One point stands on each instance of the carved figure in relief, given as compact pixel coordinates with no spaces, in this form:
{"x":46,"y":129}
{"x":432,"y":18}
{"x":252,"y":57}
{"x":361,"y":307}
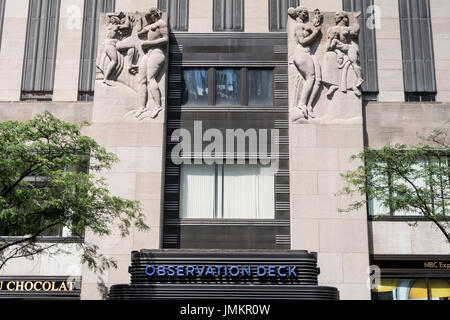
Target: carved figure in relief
{"x":136,"y":42}
{"x":306,"y":34}
{"x":118,"y":40}
{"x":342,"y":55}
{"x":152,"y":62}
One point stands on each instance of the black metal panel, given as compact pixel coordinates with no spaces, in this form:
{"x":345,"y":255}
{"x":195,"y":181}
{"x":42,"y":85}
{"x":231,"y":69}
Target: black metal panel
{"x":2,"y":15}
{"x":221,"y":286}
{"x":417,"y":46}
{"x":278,"y":14}
{"x":228,"y":15}
{"x":178,"y":11}
{"x":91,"y":16}
{"x":40,"y":47}
{"x":367,"y":42}
{"x":239,"y":50}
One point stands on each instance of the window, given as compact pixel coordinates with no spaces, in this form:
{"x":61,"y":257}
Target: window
{"x":40,"y":49}
{"x":178,"y":11}
{"x":417,"y":47}
{"x":227,"y":192}
{"x":45,"y":217}
{"x":228,"y":87}
{"x":367,"y":44}
{"x":92,"y":10}
{"x":228,"y":82}
{"x":412,"y":289}
{"x":419,"y":97}
{"x":377,"y":209}
{"x":260,"y":87}
{"x":228,"y":15}
{"x":278,"y":13}
{"x":196,"y":87}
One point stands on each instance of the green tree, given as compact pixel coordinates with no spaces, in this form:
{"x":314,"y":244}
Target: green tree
{"x":50,"y":178}
{"x":412,"y":180}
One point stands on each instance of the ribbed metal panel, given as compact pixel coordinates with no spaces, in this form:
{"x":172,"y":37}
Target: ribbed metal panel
{"x":278,"y":14}
{"x":178,"y":11}
{"x":417,"y":46}
{"x":228,"y":15}
{"x":40,"y":46}
{"x":303,"y":287}
{"x":221,"y":292}
{"x":2,"y":15}
{"x":367,"y":43}
{"x":92,"y":10}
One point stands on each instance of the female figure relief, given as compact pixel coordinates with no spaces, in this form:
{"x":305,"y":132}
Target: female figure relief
{"x":343,"y":54}
{"x":306,"y":34}
{"x":157,"y":34}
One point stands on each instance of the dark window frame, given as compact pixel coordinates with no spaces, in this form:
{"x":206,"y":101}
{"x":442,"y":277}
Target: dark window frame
{"x":244,"y":86}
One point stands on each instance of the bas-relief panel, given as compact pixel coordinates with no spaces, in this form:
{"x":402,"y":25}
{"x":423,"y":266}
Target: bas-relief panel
{"x":131,"y":66}
{"x":325,"y":74}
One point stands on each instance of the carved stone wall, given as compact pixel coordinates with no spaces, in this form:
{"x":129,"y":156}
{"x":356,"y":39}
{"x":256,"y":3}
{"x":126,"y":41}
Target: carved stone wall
{"x":129,"y":117}
{"x":325,"y":130}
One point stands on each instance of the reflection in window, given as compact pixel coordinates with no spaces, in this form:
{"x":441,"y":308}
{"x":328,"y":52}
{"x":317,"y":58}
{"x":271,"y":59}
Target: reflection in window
{"x":412,"y":289}
{"x":195,"y":87}
{"x":260,"y":87}
{"x":228,"y":87}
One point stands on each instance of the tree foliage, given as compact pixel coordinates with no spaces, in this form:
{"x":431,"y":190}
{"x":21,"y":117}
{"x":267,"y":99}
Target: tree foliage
{"x":406,"y":180}
{"x":50,"y":178}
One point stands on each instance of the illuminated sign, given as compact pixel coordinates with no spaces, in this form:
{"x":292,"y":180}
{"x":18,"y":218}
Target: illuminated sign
{"x":213,"y":271}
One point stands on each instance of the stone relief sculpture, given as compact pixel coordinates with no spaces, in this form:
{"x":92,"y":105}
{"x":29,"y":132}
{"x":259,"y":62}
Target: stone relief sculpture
{"x":341,"y":56}
{"x":306,"y":34}
{"x":331,"y":63}
{"x":136,"y":43}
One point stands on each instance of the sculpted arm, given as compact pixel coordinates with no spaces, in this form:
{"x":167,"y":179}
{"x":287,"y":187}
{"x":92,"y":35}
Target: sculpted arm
{"x":309,"y":40}
{"x":354,"y":30}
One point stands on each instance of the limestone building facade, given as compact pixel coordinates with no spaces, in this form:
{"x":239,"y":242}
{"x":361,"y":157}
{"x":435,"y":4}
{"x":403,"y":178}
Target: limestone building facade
{"x":235,"y":64}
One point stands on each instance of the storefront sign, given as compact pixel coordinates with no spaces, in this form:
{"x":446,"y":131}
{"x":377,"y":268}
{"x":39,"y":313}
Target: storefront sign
{"x":37,"y":286}
{"x":241,"y":271}
{"x":437,"y":265}
{"x":40,"y":286}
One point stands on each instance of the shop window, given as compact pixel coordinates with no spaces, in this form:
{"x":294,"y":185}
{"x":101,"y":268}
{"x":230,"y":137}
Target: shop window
{"x":228,"y":87}
{"x":412,"y":289}
{"x":195,"y":87}
{"x":227,"y":192}
{"x":260,"y":87}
